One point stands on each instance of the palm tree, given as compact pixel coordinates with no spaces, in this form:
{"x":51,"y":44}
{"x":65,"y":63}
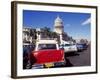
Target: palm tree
{"x":54,"y":35}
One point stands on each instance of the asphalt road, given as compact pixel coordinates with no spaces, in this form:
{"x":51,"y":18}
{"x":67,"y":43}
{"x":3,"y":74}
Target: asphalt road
{"x":82,"y":58}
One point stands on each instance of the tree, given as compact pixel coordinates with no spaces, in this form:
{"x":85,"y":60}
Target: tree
{"x":45,"y":32}
{"x":83,"y":41}
{"x":55,"y":35}
{"x":33,"y":33}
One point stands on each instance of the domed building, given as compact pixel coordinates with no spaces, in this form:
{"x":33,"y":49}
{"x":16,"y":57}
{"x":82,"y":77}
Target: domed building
{"x":58,"y":25}
{"x":59,"y":29}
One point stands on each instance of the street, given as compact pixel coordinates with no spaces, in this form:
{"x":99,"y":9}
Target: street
{"x":82,"y":58}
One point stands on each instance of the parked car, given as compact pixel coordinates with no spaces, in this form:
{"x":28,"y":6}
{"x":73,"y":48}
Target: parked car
{"x":81,"y":46}
{"x":46,"y":51}
{"x":69,"y":47}
{"x":27,"y":49}
{"x":85,"y":46}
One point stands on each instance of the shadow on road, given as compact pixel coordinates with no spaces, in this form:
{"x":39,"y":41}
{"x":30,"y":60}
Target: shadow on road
{"x":71,"y":54}
{"x":68,"y":63}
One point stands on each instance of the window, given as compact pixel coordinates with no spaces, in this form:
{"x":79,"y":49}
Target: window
{"x":46,"y":46}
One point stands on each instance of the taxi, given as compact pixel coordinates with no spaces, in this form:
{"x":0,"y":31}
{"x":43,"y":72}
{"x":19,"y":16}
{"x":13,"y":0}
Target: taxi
{"x":47,"y":52}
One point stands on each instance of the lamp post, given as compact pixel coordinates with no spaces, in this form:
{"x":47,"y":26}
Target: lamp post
{"x":38,"y":33}
{"x":61,"y":39}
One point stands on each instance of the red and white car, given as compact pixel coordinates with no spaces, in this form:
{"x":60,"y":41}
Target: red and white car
{"x":46,"y":52}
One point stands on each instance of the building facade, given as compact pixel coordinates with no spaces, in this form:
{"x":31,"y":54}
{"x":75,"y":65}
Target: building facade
{"x":27,"y":35}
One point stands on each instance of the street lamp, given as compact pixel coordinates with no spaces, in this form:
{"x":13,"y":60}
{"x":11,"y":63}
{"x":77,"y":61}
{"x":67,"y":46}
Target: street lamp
{"x":38,"y":33}
{"x":61,"y":38}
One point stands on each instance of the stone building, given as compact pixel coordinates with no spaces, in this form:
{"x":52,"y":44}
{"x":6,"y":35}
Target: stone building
{"x":27,"y":37}
{"x":59,"y":29}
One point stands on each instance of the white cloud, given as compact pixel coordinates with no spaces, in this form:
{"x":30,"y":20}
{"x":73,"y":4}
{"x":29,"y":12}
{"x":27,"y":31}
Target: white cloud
{"x":86,"y":21}
{"x":67,"y":25}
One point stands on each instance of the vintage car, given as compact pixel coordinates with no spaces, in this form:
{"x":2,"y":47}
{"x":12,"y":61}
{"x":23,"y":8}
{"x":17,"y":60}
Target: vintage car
{"x":46,"y":53}
{"x":81,"y":46}
{"x":68,"y":47}
{"x":27,"y":49}
{"x":85,"y":46}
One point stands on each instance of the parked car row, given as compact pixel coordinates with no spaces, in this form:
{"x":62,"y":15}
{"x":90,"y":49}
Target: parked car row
{"x":68,"y":47}
{"x":47,"y":53}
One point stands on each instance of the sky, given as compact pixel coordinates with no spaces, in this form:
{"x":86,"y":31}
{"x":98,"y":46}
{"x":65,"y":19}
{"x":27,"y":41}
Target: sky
{"x":76,"y":25}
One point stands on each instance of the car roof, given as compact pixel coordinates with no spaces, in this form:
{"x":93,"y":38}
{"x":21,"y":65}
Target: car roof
{"x":46,"y":42}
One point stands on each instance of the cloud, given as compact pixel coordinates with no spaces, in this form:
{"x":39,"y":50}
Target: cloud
{"x":67,"y":25}
{"x":86,"y":22}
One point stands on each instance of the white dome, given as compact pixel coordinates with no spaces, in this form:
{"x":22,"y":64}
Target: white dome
{"x":58,"y":22}
{"x":58,"y":25}
{"x":58,"y":19}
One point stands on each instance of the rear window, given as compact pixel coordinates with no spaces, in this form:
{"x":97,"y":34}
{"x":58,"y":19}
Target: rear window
{"x":46,"y":46}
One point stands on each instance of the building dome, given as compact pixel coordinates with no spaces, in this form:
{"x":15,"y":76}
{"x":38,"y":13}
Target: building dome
{"x":58,"y":22}
{"x":58,"y":25}
{"x":58,"y":19}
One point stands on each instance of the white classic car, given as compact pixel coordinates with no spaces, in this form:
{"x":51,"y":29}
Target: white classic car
{"x":68,"y":47}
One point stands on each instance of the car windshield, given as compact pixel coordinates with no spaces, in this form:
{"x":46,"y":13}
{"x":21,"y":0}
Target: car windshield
{"x":47,"y":46}
{"x":68,"y":44}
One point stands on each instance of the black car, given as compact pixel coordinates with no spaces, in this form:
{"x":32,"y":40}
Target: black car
{"x":27,"y":49}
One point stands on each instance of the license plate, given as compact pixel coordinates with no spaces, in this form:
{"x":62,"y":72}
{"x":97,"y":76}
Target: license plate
{"x":49,"y":65}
